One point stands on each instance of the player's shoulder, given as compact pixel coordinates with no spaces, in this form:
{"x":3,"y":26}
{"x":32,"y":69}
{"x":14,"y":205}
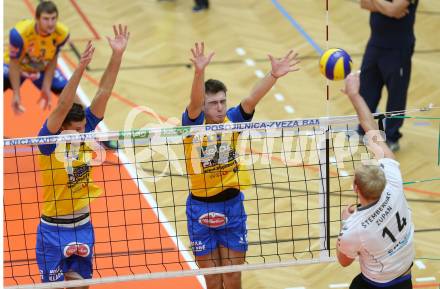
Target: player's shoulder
{"x":233,"y":114}
{"x":233,"y":109}
{"x":388,"y":162}
{"x":350,"y":227}
{"x":61,"y":32}
{"x":389,"y":166}
{"x":355,"y":219}
{"x":25,"y":26}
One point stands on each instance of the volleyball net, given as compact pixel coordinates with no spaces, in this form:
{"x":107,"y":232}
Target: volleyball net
{"x":296,"y":176}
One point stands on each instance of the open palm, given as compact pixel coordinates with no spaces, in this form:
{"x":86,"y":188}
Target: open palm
{"x":119,"y":42}
{"x":282,"y":66}
{"x":87,"y":55}
{"x":200,"y":60}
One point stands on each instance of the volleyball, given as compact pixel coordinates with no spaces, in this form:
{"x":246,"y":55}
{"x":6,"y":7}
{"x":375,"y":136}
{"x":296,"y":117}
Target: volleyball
{"x":335,"y":64}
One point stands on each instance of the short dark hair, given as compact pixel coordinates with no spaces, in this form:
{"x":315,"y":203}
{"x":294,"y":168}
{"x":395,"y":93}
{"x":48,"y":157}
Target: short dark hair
{"x":76,"y":113}
{"x":46,"y":7}
{"x":214,"y":86}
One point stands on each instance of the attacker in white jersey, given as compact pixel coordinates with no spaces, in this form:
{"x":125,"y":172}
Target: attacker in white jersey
{"x":379,"y":231}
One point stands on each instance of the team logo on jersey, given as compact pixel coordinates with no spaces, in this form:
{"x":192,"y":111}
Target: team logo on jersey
{"x":213,"y":220}
{"x":75,"y":248}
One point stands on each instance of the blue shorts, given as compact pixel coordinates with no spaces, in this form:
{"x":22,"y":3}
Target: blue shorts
{"x":59,"y":81}
{"x":214,"y":224}
{"x":60,"y":250}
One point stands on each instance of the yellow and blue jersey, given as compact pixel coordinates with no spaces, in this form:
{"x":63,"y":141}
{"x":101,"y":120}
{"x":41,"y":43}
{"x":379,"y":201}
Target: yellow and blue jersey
{"x":212,"y":162}
{"x":34,"y":51}
{"x":66,"y":176}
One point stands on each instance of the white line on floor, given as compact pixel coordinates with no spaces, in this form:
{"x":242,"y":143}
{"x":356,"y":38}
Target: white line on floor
{"x":343,"y":173}
{"x":425,"y":279}
{"x":289,"y":108}
{"x":342,"y":285}
{"x":259,"y":73}
{"x":420,"y":264}
{"x":240,"y":51}
{"x":279,"y":97}
{"x":249,"y":62}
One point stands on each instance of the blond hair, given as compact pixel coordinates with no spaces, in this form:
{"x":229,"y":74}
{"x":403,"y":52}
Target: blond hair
{"x":370,"y":180}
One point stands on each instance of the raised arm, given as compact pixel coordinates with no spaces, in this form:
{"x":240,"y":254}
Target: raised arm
{"x":67,"y":96}
{"x":200,"y":61}
{"x":366,"y":119}
{"x":118,"y":45}
{"x":394,"y":9}
{"x":280,"y":67}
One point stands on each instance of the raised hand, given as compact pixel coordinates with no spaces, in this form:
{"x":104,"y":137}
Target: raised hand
{"x":119,"y":42}
{"x":282,"y":66}
{"x":86,"y":56}
{"x":200,"y":60}
{"x":352,"y":84}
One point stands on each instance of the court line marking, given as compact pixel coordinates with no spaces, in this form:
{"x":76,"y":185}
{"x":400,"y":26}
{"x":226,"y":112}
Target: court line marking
{"x":298,"y":27}
{"x":420,"y":264}
{"x":425,"y":279}
{"x":249,"y":62}
{"x":85,"y":19}
{"x":240,"y":51}
{"x":340,"y":285}
{"x":144,"y":190}
{"x":259,"y":73}
{"x":279,"y":96}
{"x":289,"y":109}
{"x":343,"y":173}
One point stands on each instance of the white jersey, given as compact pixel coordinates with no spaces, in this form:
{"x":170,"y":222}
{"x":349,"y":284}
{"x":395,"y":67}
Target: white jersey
{"x":381,"y":234}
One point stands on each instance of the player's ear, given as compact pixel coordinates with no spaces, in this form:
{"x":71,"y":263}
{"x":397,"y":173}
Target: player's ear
{"x":355,"y":188}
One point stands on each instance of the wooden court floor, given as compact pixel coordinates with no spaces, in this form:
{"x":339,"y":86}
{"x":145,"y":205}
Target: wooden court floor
{"x":155,"y":75}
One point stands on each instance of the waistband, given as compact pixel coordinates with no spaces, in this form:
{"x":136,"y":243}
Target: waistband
{"x":404,"y":277}
{"x":223,"y":196}
{"x":66,"y":223}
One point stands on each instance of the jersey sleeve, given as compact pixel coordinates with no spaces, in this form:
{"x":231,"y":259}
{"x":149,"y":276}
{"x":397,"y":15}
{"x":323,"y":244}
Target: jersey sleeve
{"x":62,"y":35}
{"x":46,"y":149}
{"x":348,"y":241}
{"x":391,"y":169}
{"x":91,"y":120}
{"x":237,"y":114}
{"x":186,"y":120}
{"x":15,"y":44}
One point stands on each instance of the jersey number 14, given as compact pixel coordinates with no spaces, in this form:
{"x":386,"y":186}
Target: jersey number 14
{"x":401,"y":223}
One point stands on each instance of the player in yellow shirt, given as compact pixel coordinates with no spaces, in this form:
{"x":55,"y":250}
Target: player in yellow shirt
{"x":33,"y":51}
{"x":215,"y":211}
{"x":65,"y":236}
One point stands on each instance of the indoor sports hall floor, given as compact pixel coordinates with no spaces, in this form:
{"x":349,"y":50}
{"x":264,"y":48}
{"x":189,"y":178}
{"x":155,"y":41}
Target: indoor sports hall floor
{"x":155,"y":75}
